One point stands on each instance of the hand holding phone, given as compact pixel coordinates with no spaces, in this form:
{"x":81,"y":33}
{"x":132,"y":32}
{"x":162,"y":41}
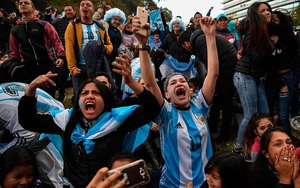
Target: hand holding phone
{"x":99,"y":182}
{"x":135,"y":174}
{"x":143,"y":14}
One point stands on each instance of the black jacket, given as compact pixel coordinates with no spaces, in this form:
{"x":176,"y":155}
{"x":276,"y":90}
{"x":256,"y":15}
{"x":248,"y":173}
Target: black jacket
{"x":5,"y":27}
{"x":253,"y":63}
{"x":261,"y":175}
{"x":80,"y":167}
{"x":172,"y":46}
{"x":60,"y":26}
{"x":226,"y":51}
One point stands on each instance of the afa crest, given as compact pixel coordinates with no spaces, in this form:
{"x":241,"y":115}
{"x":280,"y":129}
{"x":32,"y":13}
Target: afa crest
{"x":201,"y":119}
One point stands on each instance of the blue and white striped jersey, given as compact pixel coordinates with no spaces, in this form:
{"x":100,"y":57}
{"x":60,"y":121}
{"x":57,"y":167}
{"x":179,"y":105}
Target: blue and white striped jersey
{"x":10,"y":94}
{"x":185,"y":141}
{"x":89,"y":33}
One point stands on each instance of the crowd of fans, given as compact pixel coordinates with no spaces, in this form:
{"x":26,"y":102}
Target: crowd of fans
{"x":157,"y":97}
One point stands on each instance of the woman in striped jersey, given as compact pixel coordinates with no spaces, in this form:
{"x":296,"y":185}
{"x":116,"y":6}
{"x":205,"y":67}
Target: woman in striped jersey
{"x":185,"y":139}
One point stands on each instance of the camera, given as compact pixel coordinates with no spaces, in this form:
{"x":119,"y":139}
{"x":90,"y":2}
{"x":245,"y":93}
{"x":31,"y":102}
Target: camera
{"x":48,"y":10}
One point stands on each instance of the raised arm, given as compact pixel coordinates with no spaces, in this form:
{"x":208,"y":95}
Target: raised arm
{"x":124,"y":69}
{"x":41,"y":81}
{"x":146,"y":68}
{"x":209,"y":27}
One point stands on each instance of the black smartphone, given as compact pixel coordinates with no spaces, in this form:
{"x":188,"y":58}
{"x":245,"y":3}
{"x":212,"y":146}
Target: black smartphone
{"x":135,"y":174}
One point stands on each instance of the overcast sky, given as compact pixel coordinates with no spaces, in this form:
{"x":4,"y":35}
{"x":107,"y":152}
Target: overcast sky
{"x":187,"y":8}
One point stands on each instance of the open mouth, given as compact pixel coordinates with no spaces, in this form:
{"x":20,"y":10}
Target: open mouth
{"x":180,"y":92}
{"x":89,"y":106}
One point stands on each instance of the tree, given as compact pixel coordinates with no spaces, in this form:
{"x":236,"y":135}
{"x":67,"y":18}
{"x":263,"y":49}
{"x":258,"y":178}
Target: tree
{"x":128,"y":6}
{"x":296,"y":16}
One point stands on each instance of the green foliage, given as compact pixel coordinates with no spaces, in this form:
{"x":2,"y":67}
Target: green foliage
{"x":296,"y":16}
{"x":128,"y":6}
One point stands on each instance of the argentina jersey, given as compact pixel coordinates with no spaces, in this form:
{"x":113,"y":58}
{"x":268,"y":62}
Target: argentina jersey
{"x":89,"y":33}
{"x":10,"y":95}
{"x":185,"y":142}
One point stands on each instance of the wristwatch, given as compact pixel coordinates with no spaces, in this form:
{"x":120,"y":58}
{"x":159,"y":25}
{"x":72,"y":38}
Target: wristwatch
{"x":144,"y":47}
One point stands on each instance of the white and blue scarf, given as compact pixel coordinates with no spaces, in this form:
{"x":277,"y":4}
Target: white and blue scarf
{"x":106,"y":123}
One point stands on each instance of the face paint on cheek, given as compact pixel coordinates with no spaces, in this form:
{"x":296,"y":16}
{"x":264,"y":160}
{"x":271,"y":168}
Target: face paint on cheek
{"x":80,"y":103}
{"x":171,"y":90}
{"x":112,"y":21}
{"x":187,"y":87}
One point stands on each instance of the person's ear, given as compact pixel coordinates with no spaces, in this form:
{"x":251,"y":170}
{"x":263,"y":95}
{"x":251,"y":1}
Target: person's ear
{"x":266,"y":154}
{"x":167,"y":96}
{"x":255,"y":132}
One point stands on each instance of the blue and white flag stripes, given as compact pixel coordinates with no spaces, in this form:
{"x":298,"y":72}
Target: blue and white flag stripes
{"x":170,"y":65}
{"x":156,"y":20}
{"x":136,"y":138}
{"x":106,"y":123}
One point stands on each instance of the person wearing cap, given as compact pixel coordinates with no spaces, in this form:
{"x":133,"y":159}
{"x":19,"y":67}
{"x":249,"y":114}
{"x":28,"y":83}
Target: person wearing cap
{"x":186,"y":143}
{"x":12,"y":18}
{"x":171,"y":43}
{"x":222,"y":30}
{"x":196,"y":22}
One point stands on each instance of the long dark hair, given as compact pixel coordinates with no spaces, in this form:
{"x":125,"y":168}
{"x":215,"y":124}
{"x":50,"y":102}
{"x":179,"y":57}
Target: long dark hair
{"x":76,"y":116}
{"x":232,"y":169}
{"x":252,"y":125}
{"x":264,"y":144}
{"x":284,"y":30}
{"x":256,"y":23}
{"x":16,"y":156}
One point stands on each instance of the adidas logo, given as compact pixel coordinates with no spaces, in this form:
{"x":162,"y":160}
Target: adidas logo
{"x":178,"y":126}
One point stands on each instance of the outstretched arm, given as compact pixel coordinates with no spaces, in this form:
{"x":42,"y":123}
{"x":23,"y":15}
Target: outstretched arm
{"x":146,"y":68}
{"x":209,"y":27}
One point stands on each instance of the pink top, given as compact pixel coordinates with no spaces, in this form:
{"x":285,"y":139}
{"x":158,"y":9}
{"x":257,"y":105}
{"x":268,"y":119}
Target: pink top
{"x":256,"y":145}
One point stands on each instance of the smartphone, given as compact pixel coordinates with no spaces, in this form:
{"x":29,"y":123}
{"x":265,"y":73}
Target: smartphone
{"x":143,"y":14}
{"x":135,"y":174}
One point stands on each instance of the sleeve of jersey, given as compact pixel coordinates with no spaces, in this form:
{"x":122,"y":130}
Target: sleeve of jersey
{"x":12,"y":125}
{"x":29,"y":119}
{"x":200,"y":101}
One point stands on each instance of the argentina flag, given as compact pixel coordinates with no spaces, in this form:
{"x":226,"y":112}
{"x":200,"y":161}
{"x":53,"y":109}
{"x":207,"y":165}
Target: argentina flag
{"x":170,"y":65}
